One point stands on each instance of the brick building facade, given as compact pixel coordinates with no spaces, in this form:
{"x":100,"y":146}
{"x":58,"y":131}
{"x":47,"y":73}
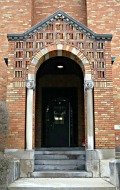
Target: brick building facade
{"x":37,"y":37}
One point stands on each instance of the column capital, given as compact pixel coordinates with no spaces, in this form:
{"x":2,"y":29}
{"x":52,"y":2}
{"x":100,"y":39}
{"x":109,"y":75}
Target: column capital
{"x":30,"y":84}
{"x":88,"y":84}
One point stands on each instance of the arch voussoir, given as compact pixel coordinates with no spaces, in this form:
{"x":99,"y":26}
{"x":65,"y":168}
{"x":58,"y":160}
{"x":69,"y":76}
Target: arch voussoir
{"x":59,"y":50}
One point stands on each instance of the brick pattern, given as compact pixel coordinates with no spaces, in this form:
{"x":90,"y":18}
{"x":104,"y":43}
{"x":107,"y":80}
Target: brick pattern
{"x":15,"y":18}
{"x":116,"y":95}
{"x":60,"y":33}
{"x":104,"y":117}
{"x":109,"y":22}
{"x":104,"y":17}
{"x":43,"y":9}
{"x":16,"y":97}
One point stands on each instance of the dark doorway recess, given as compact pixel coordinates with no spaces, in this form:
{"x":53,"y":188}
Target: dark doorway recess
{"x":59,"y":107}
{"x":59,"y":117}
{"x":51,"y":65}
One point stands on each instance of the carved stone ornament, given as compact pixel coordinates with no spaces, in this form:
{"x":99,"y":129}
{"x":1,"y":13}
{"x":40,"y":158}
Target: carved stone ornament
{"x":88,"y":84}
{"x":30,"y":84}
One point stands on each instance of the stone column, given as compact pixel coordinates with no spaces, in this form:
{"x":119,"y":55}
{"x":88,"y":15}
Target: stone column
{"x":88,"y":84}
{"x":30,"y":84}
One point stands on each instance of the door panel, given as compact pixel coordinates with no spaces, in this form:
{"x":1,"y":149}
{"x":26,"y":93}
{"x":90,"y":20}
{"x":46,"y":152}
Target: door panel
{"x":57,"y":123}
{"x":58,"y":120}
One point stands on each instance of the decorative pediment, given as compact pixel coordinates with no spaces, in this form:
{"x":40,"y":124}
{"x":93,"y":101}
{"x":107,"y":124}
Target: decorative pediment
{"x":59,"y":15}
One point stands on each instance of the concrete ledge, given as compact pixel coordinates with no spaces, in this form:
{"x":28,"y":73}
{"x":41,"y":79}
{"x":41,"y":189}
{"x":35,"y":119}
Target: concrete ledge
{"x":20,"y":154}
{"x":100,"y":154}
{"x":115,"y":173}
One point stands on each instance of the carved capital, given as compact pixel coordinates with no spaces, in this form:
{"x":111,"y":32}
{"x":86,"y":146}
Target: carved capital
{"x":30,"y":84}
{"x":88,"y":84}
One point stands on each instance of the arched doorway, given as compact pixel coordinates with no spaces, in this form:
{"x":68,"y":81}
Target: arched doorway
{"x":59,"y":109}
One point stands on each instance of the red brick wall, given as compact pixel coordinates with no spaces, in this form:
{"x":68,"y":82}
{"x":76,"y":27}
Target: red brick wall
{"x":103,"y":106}
{"x":15,"y":17}
{"x":116,"y":95}
{"x":75,"y":8}
{"x":16,"y":98}
{"x":104,"y":17}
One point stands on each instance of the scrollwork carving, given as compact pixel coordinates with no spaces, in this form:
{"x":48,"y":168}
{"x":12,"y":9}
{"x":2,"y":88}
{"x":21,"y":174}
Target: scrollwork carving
{"x":88,"y":84}
{"x":30,"y":84}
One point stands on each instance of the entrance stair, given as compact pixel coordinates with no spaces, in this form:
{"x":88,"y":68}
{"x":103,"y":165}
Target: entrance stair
{"x":60,"y":169}
{"x":60,"y":163}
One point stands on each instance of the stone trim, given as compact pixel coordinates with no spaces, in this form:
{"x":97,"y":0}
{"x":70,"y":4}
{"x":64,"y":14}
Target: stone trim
{"x":62,"y":16}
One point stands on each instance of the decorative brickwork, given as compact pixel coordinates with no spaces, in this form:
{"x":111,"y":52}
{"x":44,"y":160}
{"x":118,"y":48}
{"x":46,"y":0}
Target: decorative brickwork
{"x":60,"y":29}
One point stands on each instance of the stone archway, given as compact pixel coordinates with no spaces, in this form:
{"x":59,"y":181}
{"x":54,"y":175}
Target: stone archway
{"x":61,"y":50}
{"x":78,"y":56}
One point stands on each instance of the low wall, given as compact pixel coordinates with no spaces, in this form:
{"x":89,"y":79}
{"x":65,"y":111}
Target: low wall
{"x":97,"y":162}
{"x":26,"y":159}
{"x":9,"y":170}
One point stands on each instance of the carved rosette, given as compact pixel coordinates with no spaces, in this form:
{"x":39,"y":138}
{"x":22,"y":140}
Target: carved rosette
{"x":88,"y":84}
{"x":30,"y":84}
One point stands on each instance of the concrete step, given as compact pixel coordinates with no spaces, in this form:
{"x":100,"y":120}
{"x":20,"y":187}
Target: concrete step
{"x":60,"y":152}
{"x":61,"y":174}
{"x":117,"y":155}
{"x":59,"y":167}
{"x":61,"y":184}
{"x":59,"y":162}
{"x":60,"y":156}
{"x":53,"y":159}
{"x":61,"y":149}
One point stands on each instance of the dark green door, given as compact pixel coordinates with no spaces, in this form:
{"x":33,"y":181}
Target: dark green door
{"x":58,"y":116}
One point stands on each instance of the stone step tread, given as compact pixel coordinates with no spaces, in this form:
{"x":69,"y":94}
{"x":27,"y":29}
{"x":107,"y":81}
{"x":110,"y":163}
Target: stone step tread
{"x":59,"y":162}
{"x":56,"y":157}
{"x":62,"y":174}
{"x":117,"y":153}
{"x":61,"y":149}
{"x":117,"y":157}
{"x":60,"y":152}
{"x":61,"y":183}
{"x":59,"y":167}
